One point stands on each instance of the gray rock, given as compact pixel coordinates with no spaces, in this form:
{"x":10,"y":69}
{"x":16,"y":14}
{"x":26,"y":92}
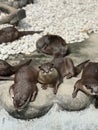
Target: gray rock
{"x":65,"y":100}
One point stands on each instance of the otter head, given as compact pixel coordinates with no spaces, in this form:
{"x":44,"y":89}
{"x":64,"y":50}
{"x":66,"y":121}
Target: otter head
{"x":20,"y":102}
{"x":94,"y":89}
{"x":5,"y":68}
{"x":4,"y":64}
{"x":91,"y":89}
{"x":21,"y":95}
{"x":47,"y":73}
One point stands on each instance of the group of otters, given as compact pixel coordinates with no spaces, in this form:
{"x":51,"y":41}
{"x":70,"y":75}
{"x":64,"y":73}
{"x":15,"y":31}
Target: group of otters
{"x":24,"y":89}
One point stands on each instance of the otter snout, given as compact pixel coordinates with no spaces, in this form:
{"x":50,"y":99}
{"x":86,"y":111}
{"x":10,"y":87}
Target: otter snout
{"x":95,"y":89}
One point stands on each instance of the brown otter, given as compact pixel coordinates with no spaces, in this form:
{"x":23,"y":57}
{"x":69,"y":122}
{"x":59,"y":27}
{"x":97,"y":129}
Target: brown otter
{"x":52,"y":44}
{"x":88,"y":82}
{"x":7,"y":70}
{"x":53,"y":72}
{"x":24,"y":88}
{"x":10,"y":34}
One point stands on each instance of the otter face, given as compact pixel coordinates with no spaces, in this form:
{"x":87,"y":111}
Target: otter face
{"x":92,"y":90}
{"x":46,"y":68}
{"x":47,"y":73}
{"x":5,"y":68}
{"x":3,"y":64}
{"x":20,"y":101}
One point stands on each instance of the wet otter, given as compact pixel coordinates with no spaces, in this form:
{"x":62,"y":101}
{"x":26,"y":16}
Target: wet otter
{"x":53,"y":72}
{"x":10,"y":34}
{"x":24,"y":88}
{"x":52,"y":44}
{"x":89,"y":80}
{"x":7,"y":70}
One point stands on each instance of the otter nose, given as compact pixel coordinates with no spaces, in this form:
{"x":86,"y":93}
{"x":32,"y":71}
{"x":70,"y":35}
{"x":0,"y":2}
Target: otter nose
{"x":95,"y":89}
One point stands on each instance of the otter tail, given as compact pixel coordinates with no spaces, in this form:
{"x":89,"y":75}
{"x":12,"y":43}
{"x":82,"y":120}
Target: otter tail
{"x":23,"y":33}
{"x":17,"y":67}
{"x":81,"y":66}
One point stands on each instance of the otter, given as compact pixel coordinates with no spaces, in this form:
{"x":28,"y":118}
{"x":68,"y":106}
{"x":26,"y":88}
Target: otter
{"x":88,"y":82}
{"x":7,"y":70}
{"x":53,"y":72}
{"x":9,"y":34}
{"x":24,"y":88}
{"x":52,"y":44}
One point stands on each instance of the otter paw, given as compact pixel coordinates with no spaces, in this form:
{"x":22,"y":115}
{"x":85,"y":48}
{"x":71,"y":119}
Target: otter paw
{"x":74,"y":95}
{"x":69,"y":76}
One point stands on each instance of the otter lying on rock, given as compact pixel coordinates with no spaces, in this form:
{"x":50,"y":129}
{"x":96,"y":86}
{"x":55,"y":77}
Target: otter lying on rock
{"x":7,"y":70}
{"x":53,"y":72}
{"x":88,"y":82}
{"x":52,"y":44}
{"x":10,"y":34}
{"x":24,"y":88}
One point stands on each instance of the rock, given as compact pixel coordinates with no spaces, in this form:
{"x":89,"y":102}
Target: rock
{"x":37,"y":108}
{"x":65,"y":100}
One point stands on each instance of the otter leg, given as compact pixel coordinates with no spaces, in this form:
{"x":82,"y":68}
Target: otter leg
{"x":56,"y":86}
{"x":44,"y":86}
{"x":34,"y":94}
{"x":77,"y":87}
{"x":11,"y":92}
{"x":69,"y":66}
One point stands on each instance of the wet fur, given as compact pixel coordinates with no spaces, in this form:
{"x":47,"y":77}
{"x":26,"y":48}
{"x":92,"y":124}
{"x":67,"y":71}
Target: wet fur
{"x":24,"y":87}
{"x":9,"y":34}
{"x":88,"y":82}
{"x":7,"y":70}
{"x":52,"y":45}
{"x":53,"y":72}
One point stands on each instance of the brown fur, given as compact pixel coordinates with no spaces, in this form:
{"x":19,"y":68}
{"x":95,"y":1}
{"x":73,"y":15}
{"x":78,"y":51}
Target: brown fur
{"x":7,"y":70}
{"x":52,"y":44}
{"x":53,"y":72}
{"x":88,"y":82}
{"x":24,"y":88}
{"x":10,"y":34}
